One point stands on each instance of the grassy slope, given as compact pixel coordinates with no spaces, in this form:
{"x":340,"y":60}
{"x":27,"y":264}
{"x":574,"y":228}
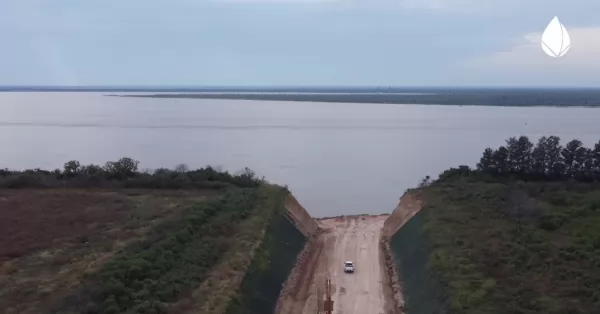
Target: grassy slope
{"x":272,"y":263}
{"x":422,"y":290}
{"x":491,"y":263}
{"x":223,"y":283}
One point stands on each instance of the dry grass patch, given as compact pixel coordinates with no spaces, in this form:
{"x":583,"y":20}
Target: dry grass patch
{"x":51,"y":239}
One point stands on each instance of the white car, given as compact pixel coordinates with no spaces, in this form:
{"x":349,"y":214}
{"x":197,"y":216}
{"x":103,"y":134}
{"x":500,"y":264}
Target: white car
{"x":348,"y":267}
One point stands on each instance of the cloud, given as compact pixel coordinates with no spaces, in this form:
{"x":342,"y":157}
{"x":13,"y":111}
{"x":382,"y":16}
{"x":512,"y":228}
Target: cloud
{"x":526,"y":52}
{"x":276,"y":41}
{"x":525,"y":62}
{"x":581,"y":12}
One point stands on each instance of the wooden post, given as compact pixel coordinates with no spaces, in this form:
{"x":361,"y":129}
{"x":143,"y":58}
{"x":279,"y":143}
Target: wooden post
{"x":328,"y":303}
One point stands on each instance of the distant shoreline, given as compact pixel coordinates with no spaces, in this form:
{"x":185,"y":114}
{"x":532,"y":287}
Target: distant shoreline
{"x":472,"y":96}
{"x":514,"y":98}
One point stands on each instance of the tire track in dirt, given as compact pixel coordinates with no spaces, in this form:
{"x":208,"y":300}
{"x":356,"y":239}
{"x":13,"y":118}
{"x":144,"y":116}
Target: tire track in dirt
{"x":355,"y":238}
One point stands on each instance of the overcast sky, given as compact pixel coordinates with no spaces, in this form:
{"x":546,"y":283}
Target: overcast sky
{"x":295,"y":42}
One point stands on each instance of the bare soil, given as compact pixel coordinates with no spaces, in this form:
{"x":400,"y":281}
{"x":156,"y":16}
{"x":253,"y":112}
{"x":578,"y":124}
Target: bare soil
{"x":354,"y":238}
{"x":31,"y":220}
{"x":410,"y":204}
{"x":300,"y":217}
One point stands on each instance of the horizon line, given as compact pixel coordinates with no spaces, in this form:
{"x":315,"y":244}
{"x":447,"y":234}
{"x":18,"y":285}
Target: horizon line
{"x":241,"y":87}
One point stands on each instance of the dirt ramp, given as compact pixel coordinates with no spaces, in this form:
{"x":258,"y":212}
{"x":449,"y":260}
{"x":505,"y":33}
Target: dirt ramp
{"x":409,"y":205}
{"x":340,"y":239}
{"x":299,"y":216}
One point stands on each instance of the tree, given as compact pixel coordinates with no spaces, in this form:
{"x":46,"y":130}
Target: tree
{"x":585,"y":166}
{"x":500,"y":158}
{"x":486,"y":163}
{"x":524,"y":150}
{"x":123,"y":168}
{"x":595,"y":156}
{"x":545,"y":155}
{"x":71,"y":168}
{"x":91,"y":170}
{"x":161,"y":172}
{"x":182,"y":168}
{"x":540,"y":157}
{"x":425,"y":182}
{"x":519,"y":154}
{"x":573,"y":154}
{"x":512,"y":156}
{"x":247,"y":174}
{"x":554,"y":162}
{"x":461,"y":171}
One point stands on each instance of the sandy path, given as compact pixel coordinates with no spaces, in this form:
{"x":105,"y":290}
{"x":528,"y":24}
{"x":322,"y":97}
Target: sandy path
{"x":354,"y":238}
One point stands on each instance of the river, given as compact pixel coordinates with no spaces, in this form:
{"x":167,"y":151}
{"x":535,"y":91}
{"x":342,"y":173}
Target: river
{"x":336,"y":158}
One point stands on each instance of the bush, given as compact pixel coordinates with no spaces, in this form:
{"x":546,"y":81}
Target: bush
{"x":551,"y":254}
{"x":164,"y":266}
{"x":125,"y":173}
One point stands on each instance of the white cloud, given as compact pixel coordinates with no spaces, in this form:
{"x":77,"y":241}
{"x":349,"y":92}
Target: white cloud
{"x":525,"y":62}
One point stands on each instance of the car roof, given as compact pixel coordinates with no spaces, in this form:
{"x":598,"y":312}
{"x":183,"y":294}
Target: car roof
{"x":349,"y":262}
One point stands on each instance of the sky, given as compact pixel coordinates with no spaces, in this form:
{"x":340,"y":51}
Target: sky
{"x":295,"y":42}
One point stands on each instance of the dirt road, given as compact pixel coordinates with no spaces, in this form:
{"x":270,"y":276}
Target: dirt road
{"x":366,"y":291}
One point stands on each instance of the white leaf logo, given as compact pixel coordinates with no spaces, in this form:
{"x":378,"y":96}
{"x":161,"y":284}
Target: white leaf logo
{"x":555,"y":40}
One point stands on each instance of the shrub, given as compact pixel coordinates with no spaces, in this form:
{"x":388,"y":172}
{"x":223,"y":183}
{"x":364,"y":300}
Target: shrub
{"x":125,"y":173}
{"x":163,"y":267}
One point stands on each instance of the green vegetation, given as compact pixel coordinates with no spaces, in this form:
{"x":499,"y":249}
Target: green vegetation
{"x":250,"y":251}
{"x":124,"y":173}
{"x":547,"y":161}
{"x":141,"y":280}
{"x":422,"y":289}
{"x":180,"y":260}
{"x":519,"y":234}
{"x":172,"y":261}
{"x":272,"y":264}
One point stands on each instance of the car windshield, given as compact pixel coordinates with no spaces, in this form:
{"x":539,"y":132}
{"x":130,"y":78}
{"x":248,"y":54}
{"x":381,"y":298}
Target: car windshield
{"x":348,"y":264}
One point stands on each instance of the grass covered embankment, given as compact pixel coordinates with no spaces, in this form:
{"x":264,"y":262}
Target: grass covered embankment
{"x":129,"y":251}
{"x":517,"y":235}
{"x":271,"y":266}
{"x":420,"y":290}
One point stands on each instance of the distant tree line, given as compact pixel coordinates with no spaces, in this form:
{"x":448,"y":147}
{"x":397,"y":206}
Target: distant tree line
{"x":125,"y":173}
{"x":547,"y":160}
{"x":458,"y":97}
